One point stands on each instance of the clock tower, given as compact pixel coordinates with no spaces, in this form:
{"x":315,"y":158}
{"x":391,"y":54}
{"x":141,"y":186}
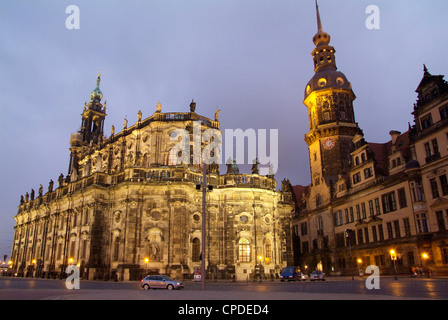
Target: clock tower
{"x":329,"y":98}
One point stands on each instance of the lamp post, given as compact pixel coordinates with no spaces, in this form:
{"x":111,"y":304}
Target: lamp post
{"x":348,"y":235}
{"x":359,"y":261}
{"x":204,"y":194}
{"x":260,"y":259}
{"x":425,"y":257}
{"x":146,"y":261}
{"x":393,"y":257}
{"x":33,"y":262}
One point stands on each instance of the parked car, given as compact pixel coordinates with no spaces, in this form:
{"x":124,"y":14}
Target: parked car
{"x":290,"y":274}
{"x":303,"y":277}
{"x":160,"y":282}
{"x":317,"y":275}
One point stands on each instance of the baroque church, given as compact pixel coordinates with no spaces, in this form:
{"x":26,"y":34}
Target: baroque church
{"x":128,"y":207}
{"x":382,"y":204}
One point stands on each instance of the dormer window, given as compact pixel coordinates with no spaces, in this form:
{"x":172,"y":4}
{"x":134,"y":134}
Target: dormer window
{"x":363,"y":157}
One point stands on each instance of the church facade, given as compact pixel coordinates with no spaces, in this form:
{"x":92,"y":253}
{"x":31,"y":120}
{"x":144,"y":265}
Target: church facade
{"x":383,"y":204}
{"x":131,"y":204}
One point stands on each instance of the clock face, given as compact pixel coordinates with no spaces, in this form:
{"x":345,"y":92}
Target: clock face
{"x":329,"y":143}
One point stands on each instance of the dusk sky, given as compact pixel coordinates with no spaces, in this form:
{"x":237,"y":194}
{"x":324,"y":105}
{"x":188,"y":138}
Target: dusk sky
{"x":249,"y":58}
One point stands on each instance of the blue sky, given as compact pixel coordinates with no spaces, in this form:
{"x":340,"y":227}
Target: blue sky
{"x":250,"y":58}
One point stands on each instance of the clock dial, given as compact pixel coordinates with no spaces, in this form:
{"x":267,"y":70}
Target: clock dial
{"x":329,"y":143}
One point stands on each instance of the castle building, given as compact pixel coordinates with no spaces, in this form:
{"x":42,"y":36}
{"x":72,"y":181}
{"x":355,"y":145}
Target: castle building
{"x":382,"y":204}
{"x":128,"y":206}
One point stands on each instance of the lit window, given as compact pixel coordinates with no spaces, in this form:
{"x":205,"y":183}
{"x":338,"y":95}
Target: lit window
{"x":244,"y":250}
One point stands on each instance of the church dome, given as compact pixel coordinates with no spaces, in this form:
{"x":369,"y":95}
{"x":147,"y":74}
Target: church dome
{"x":327,"y":78}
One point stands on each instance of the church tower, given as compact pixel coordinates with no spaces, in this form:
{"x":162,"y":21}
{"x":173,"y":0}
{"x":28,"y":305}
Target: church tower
{"x":329,"y":98}
{"x":93,"y":116}
{"x":91,"y":133}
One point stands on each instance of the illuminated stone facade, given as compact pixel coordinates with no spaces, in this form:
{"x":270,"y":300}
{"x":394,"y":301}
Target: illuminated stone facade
{"x":127,"y":208}
{"x":392,"y":196}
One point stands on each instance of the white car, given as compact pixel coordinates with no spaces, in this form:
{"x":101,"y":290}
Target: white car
{"x":303,"y":277}
{"x":317,"y":275}
{"x":160,"y":282}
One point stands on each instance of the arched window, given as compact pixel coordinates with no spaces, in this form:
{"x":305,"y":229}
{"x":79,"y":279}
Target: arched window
{"x":267,"y":248}
{"x":244,"y":250}
{"x":195,"y":250}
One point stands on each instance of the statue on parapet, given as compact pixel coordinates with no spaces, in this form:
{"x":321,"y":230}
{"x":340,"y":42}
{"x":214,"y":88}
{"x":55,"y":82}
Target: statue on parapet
{"x":217,"y":114}
{"x":255,"y":166}
{"x":158,"y":107}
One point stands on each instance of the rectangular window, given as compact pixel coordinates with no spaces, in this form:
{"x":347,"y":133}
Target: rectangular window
{"x":358,"y":212}
{"x":427,"y":149}
{"x":363,"y":210}
{"x":434,"y":188}
{"x":244,"y":251}
{"x":380,"y":232}
{"x":397,"y":229}
{"x":440,"y":221}
{"x":371,"y":211}
{"x":444,"y":252}
{"x":422,"y":223}
{"x":377,"y":206}
{"x":368,"y":172}
{"x":389,"y":202}
{"x":426,"y":121}
{"x":407,"y":227}
{"x":320,"y":224}
{"x":443,"y":112}
{"x":360,"y":237}
{"x":435,"y":146}
{"x":444,"y":184}
{"x":390,"y":232}
{"x":347,"y":217}
{"x":338,"y":221}
{"x":402,"y":198}
{"x":304,"y":228}
{"x":374,"y":234}
{"x":366,"y":235}
{"x":417,"y":191}
{"x":356,"y":178}
{"x":352,"y":217}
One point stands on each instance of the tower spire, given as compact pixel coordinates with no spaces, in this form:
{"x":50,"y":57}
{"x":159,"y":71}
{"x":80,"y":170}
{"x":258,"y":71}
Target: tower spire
{"x":319,"y":22}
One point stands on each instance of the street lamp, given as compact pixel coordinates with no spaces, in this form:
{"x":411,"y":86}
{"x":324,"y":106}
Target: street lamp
{"x":425,"y":257}
{"x":348,"y":235}
{"x":393,"y":257}
{"x":146,"y":261}
{"x":260,"y":258}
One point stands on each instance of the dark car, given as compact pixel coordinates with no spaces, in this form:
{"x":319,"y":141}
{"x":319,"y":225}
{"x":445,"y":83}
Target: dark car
{"x":160,"y":282}
{"x":290,"y":274}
